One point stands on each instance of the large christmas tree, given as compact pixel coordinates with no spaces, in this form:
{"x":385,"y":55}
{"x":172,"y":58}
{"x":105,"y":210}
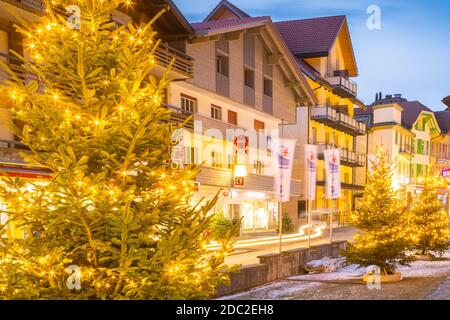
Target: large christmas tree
{"x":114,"y":219}
{"x":382,"y":221}
{"x":430,"y":221}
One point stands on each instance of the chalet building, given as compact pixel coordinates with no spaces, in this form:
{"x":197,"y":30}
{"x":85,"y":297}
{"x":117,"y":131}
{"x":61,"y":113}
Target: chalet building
{"x":440,"y":151}
{"x":324,"y":54}
{"x":406,"y":129}
{"x":245,"y":79}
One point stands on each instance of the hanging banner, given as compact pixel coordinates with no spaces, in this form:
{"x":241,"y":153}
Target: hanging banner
{"x":283,"y":174}
{"x":311,"y":171}
{"x":332,"y":173}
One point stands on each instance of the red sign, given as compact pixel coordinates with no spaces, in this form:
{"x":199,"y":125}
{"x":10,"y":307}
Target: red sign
{"x":239,"y":181}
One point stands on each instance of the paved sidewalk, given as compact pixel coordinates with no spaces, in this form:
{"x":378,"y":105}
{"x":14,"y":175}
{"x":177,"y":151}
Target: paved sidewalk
{"x":442,"y":292}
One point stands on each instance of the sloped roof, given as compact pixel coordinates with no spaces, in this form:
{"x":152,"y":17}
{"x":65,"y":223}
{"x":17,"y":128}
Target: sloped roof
{"x":411,"y":112}
{"x":226,"y":5}
{"x":315,"y":37}
{"x":218,"y":26}
{"x":443,"y":119}
{"x":446,"y":100}
{"x":311,"y":36}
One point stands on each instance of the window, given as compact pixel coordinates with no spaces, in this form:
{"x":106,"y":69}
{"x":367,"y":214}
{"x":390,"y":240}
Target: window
{"x":346,"y":177}
{"x":188,"y":104}
{"x":190,"y":155}
{"x":314,"y":135}
{"x":222,"y":65}
{"x":419,"y":170}
{"x":216,"y":112}
{"x":428,"y":147}
{"x":216,"y":159}
{"x":419,"y":146}
{"x":258,"y":167}
{"x":396,"y":137}
{"x":249,"y":78}
{"x":267,"y":87}
{"x":232,"y":117}
{"x":258,"y":125}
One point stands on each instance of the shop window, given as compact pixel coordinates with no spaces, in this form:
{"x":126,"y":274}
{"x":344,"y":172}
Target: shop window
{"x":216,"y":159}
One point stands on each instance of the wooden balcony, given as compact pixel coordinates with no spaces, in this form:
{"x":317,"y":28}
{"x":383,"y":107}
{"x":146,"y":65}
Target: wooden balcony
{"x":183,"y":64}
{"x":179,"y":116}
{"x":337,"y":119}
{"x":406,"y":150}
{"x":348,"y":158}
{"x":342,"y":85}
{"x":14,"y":64}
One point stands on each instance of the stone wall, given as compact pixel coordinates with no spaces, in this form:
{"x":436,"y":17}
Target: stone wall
{"x":277,"y":266}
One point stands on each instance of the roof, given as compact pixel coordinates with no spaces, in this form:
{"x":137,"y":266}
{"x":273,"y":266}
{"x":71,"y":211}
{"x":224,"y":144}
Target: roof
{"x":172,"y":25}
{"x":446,"y":101}
{"x":443,"y":119}
{"x":310,"y":36}
{"x":412,"y":111}
{"x":315,"y":37}
{"x":220,"y":26}
{"x":223,"y":5}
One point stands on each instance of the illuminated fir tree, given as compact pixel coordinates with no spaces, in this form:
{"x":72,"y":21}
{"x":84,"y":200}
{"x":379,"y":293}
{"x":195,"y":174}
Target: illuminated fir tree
{"x":382,"y":221}
{"x":113,"y":215}
{"x":429,"y":220}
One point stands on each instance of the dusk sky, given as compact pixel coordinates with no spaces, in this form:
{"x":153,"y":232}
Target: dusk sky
{"x":409,"y":55}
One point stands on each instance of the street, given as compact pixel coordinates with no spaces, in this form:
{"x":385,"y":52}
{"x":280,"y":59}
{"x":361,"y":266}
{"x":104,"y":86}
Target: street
{"x":248,"y":255}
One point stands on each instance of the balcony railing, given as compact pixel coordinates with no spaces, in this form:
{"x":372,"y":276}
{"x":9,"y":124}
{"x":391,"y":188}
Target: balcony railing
{"x":179,"y":116}
{"x":342,"y":85}
{"x":337,"y":119}
{"x":348,"y":158}
{"x":183,"y":63}
{"x":163,"y":55}
{"x":406,"y":149}
{"x":14,"y":64}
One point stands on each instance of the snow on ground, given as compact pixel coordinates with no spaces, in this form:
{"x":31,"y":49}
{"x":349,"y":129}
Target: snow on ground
{"x":296,"y":285}
{"x":277,"y":290}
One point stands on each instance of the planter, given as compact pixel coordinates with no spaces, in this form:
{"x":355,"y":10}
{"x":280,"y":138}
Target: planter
{"x":369,"y":277}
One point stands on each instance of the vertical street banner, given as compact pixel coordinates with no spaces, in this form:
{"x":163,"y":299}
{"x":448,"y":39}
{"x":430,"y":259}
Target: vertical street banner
{"x":311,"y":171}
{"x":332,"y":173}
{"x":283,"y":173}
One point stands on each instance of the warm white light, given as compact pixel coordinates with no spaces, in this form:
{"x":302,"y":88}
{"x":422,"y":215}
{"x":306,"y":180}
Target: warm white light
{"x":240,"y":171}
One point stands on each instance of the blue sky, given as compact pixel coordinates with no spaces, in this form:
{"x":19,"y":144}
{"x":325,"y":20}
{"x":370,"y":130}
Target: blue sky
{"x":409,"y":55}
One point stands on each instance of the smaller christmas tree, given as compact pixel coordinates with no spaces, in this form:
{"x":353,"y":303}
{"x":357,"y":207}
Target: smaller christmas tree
{"x":382,"y":220}
{"x":429,"y":220}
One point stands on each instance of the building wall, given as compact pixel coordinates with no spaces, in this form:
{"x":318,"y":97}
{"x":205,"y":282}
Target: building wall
{"x":204,"y":53}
